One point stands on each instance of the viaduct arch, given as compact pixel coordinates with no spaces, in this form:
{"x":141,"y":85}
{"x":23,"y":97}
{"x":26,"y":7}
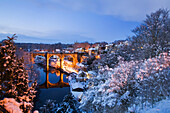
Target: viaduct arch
{"x":47,"y":55}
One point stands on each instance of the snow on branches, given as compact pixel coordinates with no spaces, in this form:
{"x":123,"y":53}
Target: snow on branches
{"x":127,"y":84}
{"x":14,"y":81}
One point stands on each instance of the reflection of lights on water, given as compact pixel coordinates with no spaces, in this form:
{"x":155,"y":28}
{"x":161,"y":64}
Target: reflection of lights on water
{"x":57,"y":74}
{"x":52,"y":71}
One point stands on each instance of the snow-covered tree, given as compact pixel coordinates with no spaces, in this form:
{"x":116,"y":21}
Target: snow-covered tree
{"x":153,"y":33}
{"x":25,"y":92}
{"x":154,"y":75}
{"x":14,"y":77}
{"x":8,"y":64}
{"x":128,"y":84}
{"x":113,"y":89}
{"x":28,"y":64}
{"x":68,"y":105}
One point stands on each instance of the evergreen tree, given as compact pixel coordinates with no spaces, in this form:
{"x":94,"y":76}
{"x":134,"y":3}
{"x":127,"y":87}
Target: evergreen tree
{"x":8,"y":63}
{"x":68,"y":105}
{"x":14,"y":78}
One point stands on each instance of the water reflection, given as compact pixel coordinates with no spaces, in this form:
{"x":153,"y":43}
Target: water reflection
{"x":57,"y":84}
{"x":53,"y":76}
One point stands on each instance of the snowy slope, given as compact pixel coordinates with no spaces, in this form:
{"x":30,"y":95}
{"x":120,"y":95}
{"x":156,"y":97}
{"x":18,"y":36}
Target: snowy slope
{"x":161,"y":107}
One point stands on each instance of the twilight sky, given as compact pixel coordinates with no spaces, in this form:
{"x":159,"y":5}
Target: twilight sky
{"x":68,"y":21}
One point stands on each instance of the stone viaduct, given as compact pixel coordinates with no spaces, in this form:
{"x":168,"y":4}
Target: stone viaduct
{"x":47,"y":55}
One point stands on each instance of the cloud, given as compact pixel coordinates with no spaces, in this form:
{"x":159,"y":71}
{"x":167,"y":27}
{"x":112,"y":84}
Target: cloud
{"x":63,"y":37}
{"x":24,"y":39}
{"x":14,"y":30}
{"x":25,"y":35}
{"x":132,"y":10}
{"x":129,"y":10}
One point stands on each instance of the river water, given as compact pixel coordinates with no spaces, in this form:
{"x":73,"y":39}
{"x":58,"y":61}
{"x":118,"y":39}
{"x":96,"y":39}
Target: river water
{"x":51,"y":93}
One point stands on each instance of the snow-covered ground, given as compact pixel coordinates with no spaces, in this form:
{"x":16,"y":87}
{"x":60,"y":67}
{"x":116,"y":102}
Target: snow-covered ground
{"x":39,"y":59}
{"x":77,"y":84}
{"x":11,"y":105}
{"x":161,"y":107}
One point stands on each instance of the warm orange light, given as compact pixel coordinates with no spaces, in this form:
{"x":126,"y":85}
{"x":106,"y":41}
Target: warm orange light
{"x":97,"y":56}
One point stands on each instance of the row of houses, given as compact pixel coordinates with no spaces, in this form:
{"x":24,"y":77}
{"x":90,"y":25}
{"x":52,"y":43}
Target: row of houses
{"x":99,"y":48}
{"x":90,"y":49}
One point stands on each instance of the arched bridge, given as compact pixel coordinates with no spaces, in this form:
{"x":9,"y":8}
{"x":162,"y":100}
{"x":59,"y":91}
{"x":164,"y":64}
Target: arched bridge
{"x":47,"y":55}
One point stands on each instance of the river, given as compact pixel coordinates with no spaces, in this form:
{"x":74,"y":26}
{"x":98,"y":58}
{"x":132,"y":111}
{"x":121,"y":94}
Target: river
{"x":44,"y":94}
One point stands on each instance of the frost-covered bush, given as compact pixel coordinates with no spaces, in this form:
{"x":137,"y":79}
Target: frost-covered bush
{"x":154,"y":76}
{"x":113,"y":90}
{"x":68,"y":105}
{"x":128,"y":84}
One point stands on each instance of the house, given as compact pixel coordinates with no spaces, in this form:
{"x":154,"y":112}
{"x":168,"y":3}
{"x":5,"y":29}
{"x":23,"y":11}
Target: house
{"x":79,"y":50}
{"x":92,"y":51}
{"x":57,"y":50}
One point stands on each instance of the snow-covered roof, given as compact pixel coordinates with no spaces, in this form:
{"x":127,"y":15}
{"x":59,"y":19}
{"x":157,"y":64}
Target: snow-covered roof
{"x":39,"y":56}
{"x":80,"y":65}
{"x":91,"y":72}
{"x":77,"y":94}
{"x":79,"y":49}
{"x":92,"y":49}
{"x":109,"y":44}
{"x":76,"y":85}
{"x":80,"y":72}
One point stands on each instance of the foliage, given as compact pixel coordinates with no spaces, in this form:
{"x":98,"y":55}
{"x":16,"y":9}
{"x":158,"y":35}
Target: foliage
{"x":68,"y":105}
{"x":153,"y":34}
{"x":14,"y":78}
{"x":130,"y":83}
{"x":28,"y":64}
{"x":106,"y":59}
{"x":8,"y":64}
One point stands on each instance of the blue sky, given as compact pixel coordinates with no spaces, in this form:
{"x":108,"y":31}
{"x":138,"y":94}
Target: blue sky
{"x":68,"y":21}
